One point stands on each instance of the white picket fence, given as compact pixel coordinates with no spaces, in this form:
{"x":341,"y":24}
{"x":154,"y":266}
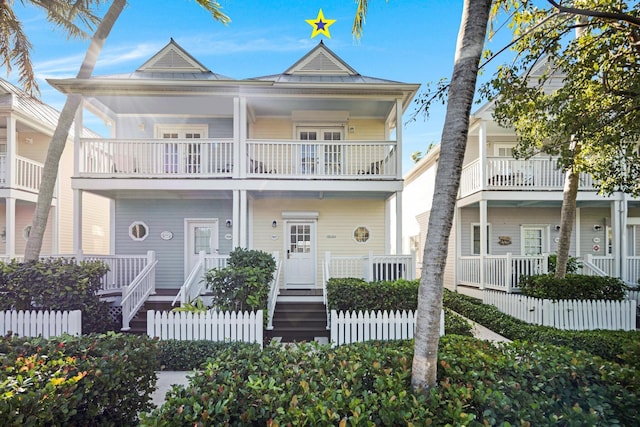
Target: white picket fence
{"x":41,"y":323}
{"x":349,"y":327}
{"x":209,"y":326}
{"x":573,"y":315}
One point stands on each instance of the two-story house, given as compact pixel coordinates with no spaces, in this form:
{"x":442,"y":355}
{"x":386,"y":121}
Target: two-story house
{"x":508,"y":214}
{"x":26,"y":127}
{"x":304,"y":163}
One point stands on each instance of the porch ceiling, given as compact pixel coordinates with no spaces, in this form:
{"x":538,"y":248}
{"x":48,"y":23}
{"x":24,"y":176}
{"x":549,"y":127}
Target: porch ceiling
{"x":163,"y":194}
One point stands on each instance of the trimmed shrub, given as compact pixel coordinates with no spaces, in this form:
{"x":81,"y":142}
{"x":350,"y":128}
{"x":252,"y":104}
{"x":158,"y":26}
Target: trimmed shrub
{"x":455,"y":324}
{"x":573,"y":264}
{"x":573,"y":287}
{"x":244,"y":283}
{"x":351,"y":294}
{"x":606,"y":344}
{"x":93,"y":380}
{"x":369,"y":384}
{"x":189,"y":355}
{"x":57,"y":284}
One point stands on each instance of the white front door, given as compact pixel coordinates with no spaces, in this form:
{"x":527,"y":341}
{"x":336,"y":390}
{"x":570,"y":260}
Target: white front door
{"x":300,"y":261}
{"x":201,"y":235}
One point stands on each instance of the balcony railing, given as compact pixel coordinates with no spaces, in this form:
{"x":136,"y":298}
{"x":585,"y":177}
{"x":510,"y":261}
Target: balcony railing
{"x":510,"y":174}
{"x":501,"y":272}
{"x":183,"y":158}
{"x":153,"y":158}
{"x":322,"y":159}
{"x":28,"y":173}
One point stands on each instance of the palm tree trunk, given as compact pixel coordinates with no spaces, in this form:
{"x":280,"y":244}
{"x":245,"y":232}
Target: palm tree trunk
{"x":60,"y":135}
{"x":471,"y":38}
{"x":567,"y":219}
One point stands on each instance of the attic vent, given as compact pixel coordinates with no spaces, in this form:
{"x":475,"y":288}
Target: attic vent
{"x":172,"y":60}
{"x":321,"y":63}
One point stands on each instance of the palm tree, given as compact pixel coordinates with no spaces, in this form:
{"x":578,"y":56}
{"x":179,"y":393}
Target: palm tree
{"x":15,"y":48}
{"x":473,"y":28}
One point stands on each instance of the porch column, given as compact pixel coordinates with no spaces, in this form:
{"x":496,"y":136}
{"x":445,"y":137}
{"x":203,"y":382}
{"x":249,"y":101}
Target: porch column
{"x":615,"y":234}
{"x":77,"y":158}
{"x":235,"y":215}
{"x":398,"y":140}
{"x":10,"y":160}
{"x":236,"y":138}
{"x":576,"y":230}
{"x":399,"y":223}
{"x":483,"y":240}
{"x":77,"y":221}
{"x":624,"y":244}
{"x":458,"y":251}
{"x":240,"y":135}
{"x":243,"y":219}
{"x":10,"y":227}
{"x":482,"y":150}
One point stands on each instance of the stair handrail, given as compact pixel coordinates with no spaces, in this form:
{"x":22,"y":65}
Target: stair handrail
{"x":325,"y":277}
{"x":136,"y":294}
{"x":588,"y":262}
{"x":193,"y":279}
{"x":273,"y":293}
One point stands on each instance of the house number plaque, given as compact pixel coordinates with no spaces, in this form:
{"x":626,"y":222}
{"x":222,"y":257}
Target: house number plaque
{"x":166,"y":235}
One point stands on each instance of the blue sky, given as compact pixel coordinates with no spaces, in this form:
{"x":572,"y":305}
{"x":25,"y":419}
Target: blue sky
{"x":412,"y":41}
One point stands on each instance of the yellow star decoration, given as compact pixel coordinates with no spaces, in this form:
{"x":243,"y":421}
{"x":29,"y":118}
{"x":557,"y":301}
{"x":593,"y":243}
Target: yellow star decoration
{"x":320,"y":25}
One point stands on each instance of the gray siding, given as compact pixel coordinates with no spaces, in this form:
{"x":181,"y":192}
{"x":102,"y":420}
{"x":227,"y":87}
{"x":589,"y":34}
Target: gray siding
{"x":167,"y":215}
{"x":588,"y":218}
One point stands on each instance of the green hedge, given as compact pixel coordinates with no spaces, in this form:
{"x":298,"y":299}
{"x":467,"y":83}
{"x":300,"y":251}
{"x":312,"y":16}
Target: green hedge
{"x":369,"y":384}
{"x":573,"y":287}
{"x":93,"y":380}
{"x":607,"y":344}
{"x":57,"y":284}
{"x":189,"y":355}
{"x":351,"y":294}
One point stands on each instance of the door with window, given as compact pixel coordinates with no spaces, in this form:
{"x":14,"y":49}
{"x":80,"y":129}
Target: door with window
{"x":183,"y":156}
{"x":320,"y":158}
{"x":534,"y":241}
{"x":300,"y":262}
{"x":201,"y":235}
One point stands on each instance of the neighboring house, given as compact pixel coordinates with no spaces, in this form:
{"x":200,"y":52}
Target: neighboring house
{"x":508,"y":214}
{"x":302,"y":163}
{"x":26,"y":127}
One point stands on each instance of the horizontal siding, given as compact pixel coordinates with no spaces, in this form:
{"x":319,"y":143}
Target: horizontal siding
{"x":337,"y":219}
{"x":130,"y":127}
{"x":272,"y":128}
{"x":588,"y":218}
{"x":167,"y":215}
{"x":366,"y":129}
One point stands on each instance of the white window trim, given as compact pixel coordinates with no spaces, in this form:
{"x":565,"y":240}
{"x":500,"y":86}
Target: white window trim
{"x":353,"y":234}
{"x":497,"y":147}
{"x":546,"y":236}
{"x":488,"y":243}
{"x":138,"y":239}
{"x":181,"y":129}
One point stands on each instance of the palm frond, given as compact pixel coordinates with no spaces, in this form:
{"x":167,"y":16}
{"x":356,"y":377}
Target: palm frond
{"x":359,"y":19}
{"x":15,"y":48}
{"x":214,"y":8}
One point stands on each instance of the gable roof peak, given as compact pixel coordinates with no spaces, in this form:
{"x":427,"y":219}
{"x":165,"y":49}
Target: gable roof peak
{"x":321,"y":61}
{"x":173,"y":59}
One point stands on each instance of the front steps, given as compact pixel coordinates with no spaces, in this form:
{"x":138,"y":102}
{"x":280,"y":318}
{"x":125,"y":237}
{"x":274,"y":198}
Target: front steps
{"x":160,"y":301}
{"x":300,"y":315}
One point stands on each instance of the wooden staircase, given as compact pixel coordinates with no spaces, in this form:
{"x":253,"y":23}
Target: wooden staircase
{"x":300,"y":315}
{"x":161,"y":301}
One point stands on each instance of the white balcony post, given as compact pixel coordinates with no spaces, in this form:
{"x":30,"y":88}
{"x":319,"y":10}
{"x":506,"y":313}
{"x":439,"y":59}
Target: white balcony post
{"x":12,"y":147}
{"x":624,"y":244}
{"x":235,"y":230}
{"x":398,"y":222}
{"x":399,"y":138}
{"x":243,"y":229}
{"x":482,"y":143}
{"x":370,"y":267}
{"x":77,"y":153}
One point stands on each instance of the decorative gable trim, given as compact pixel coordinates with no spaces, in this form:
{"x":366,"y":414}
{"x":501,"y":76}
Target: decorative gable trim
{"x":173,"y":58}
{"x":321,"y":60}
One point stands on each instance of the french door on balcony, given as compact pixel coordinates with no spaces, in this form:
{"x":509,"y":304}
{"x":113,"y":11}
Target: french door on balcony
{"x":182,"y":157}
{"x":320,"y":158}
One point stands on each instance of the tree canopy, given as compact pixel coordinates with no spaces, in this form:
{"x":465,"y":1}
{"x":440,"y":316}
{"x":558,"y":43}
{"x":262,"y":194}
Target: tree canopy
{"x":564,"y":91}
